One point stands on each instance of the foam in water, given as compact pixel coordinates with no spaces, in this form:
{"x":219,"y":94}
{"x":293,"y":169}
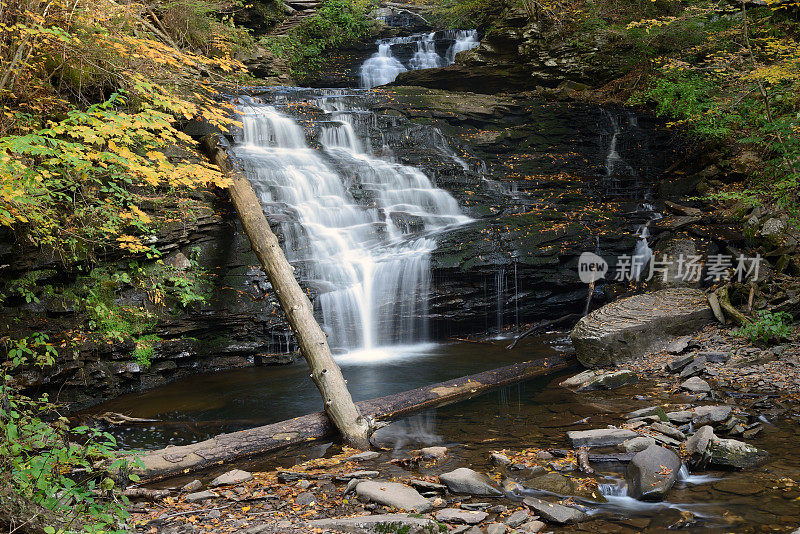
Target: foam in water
{"x":372,"y":274}
{"x":383,"y":67}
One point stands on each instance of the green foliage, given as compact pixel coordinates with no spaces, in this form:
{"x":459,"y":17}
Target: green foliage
{"x":770,"y":327}
{"x":337,"y":23}
{"x":70,"y":471}
{"x":205,"y":25}
{"x":459,"y":14}
{"x":144,"y":351}
{"x":689,"y":98}
{"x":35,"y":349}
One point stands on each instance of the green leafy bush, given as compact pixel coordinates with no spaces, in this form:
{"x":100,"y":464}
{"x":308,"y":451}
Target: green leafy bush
{"x":770,"y":327}
{"x":70,"y":471}
{"x":337,"y":23}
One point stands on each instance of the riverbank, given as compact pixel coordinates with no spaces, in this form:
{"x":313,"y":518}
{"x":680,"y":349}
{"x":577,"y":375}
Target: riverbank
{"x":519,"y":439}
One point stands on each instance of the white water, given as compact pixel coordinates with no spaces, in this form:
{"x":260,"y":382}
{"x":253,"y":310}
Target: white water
{"x":383,"y":67}
{"x":372,"y":274}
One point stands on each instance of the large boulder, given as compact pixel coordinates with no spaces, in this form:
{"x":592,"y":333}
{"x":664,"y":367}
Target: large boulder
{"x":636,"y":325}
{"x":735,"y":453}
{"x":393,"y":494}
{"x":652,"y":473}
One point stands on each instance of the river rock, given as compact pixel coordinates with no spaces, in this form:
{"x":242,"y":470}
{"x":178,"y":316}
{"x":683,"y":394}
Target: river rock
{"x":430,"y":453}
{"x":454,"y":515}
{"x":200,"y":496}
{"x":634,"y":326}
{"x":592,"y":380}
{"x":697,"y":444}
{"x":305,"y":498}
{"x":393,"y":494}
{"x":658,"y":411}
{"x":554,"y":512}
{"x":680,"y":362}
{"x":696,"y":385}
{"x":735,"y":453}
{"x":194,"y":485}
{"x":532,"y":527}
{"x":716,"y":357}
{"x":517,"y":518}
{"x":697,"y":366}
{"x":231,"y":477}
{"x":668,"y":430}
{"x":703,"y":415}
{"x":377,"y":524}
{"x":680,"y":417}
{"x":500,"y":460}
{"x":363,"y":456}
{"x":652,"y":473}
{"x":466,"y":481}
{"x":496,"y":528}
{"x":600,"y":437}
{"x":636,"y":444}
{"x":562,"y":486}
{"x":676,"y":346}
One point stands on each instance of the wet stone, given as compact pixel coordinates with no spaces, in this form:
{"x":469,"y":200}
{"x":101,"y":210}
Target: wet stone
{"x":517,"y":518}
{"x":680,"y":417}
{"x":466,"y":481}
{"x":454,"y":515}
{"x":430,"y":453}
{"x":194,"y":485}
{"x":363,"y":456}
{"x":652,"y":473}
{"x":600,"y":437}
{"x":703,"y":415}
{"x":637,"y":444}
{"x":679,"y":363}
{"x":554,"y":512}
{"x":697,"y":366}
{"x":657,"y":411}
{"x":496,"y":528}
{"x":668,"y":430}
{"x":696,"y":385}
{"x":200,"y":496}
{"x":393,"y":494}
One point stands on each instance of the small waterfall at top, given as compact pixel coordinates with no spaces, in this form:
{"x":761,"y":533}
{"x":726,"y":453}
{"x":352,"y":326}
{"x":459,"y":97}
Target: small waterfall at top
{"x":349,"y":222}
{"x":384,"y":66}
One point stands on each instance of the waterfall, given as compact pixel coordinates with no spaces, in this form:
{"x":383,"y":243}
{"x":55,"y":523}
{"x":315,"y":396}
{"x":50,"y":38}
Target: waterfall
{"x":384,"y":66}
{"x":351,"y":224}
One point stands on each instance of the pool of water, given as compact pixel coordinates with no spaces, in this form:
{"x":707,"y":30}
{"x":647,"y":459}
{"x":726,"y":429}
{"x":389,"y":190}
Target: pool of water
{"x":199,"y":407}
{"x":536,"y":413}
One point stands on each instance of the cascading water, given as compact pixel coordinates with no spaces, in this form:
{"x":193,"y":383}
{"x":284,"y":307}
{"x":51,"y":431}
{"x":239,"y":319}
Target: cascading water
{"x":372,"y":276}
{"x":384,"y":66}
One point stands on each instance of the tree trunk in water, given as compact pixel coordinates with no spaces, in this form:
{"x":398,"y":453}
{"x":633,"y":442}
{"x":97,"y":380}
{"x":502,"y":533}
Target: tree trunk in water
{"x":312,"y":340}
{"x":270,"y":438}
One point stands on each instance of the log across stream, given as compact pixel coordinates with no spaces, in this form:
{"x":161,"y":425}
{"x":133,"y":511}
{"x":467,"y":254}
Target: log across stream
{"x":270,"y":438}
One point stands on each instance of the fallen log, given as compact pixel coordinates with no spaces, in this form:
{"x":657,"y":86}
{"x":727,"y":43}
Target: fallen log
{"x":264,"y":439}
{"x":725,"y":303}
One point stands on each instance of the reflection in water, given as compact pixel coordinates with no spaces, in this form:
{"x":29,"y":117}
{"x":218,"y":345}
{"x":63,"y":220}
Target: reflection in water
{"x":414,"y":432}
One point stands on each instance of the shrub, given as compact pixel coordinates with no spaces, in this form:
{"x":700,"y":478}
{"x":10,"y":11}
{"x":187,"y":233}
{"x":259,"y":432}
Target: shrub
{"x":769,"y":327}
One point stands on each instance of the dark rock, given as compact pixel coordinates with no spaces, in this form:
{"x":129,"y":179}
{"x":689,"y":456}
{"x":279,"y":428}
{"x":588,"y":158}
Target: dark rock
{"x":305,"y":498}
{"x":668,"y":430}
{"x":636,"y":325}
{"x":517,"y":518}
{"x":697,"y":366}
{"x":657,"y":411}
{"x":554,"y":512}
{"x":679,"y":363}
{"x":652,"y":473}
{"x":637,"y":444}
{"x":363,"y":456}
{"x":697,"y":444}
{"x":716,"y":357}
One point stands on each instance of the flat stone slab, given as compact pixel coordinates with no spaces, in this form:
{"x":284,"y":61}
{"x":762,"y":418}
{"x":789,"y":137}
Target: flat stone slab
{"x":600,"y":437}
{"x":393,"y":494}
{"x":554,"y":512}
{"x":231,"y":477}
{"x":377,"y":524}
{"x":200,"y":496}
{"x":634,"y":326}
{"x":464,"y":517}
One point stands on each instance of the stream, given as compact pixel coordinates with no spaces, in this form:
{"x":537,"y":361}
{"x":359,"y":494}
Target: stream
{"x":360,"y":226}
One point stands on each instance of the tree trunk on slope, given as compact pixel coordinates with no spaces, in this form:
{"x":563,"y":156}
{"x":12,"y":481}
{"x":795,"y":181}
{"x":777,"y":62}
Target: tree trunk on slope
{"x":312,"y":340}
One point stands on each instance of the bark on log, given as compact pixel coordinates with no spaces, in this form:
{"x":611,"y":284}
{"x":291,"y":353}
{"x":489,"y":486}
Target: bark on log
{"x":312,"y":340}
{"x":226,"y":447}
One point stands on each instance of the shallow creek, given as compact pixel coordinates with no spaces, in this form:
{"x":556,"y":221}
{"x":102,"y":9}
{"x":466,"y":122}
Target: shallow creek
{"x":534,"y":414}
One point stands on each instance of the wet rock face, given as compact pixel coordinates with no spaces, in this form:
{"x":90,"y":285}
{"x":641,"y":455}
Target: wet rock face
{"x":630,"y":327}
{"x":652,"y":472}
{"x":518,"y":54}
